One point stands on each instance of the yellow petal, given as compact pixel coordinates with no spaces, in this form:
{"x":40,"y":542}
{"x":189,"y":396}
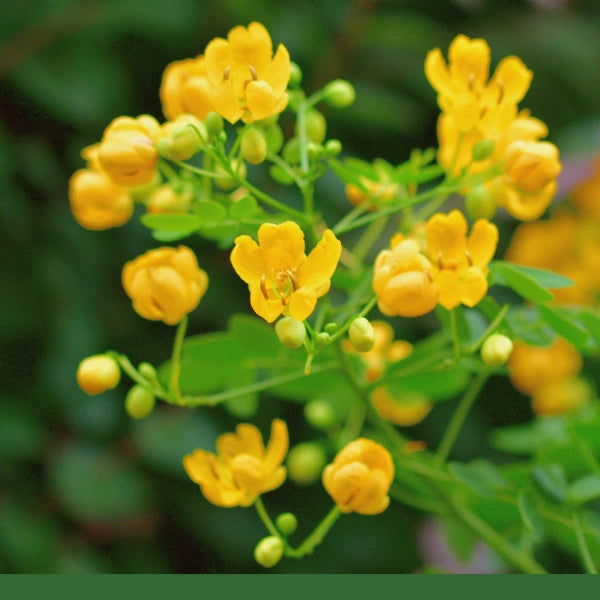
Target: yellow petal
{"x":250,"y":440}
{"x":267,"y":308}
{"x":437,"y":73}
{"x":474,"y":286}
{"x":482,"y":242}
{"x":248,"y":260}
{"x":446,"y":236}
{"x":282,"y":245}
{"x":262,"y":102}
{"x":512,"y":79}
{"x":450,"y":288}
{"x":251,"y":46}
{"x":278,"y":445}
{"x":469,"y":61}
{"x":277,"y":72}
{"x":217,"y":58}
{"x":321,"y":263}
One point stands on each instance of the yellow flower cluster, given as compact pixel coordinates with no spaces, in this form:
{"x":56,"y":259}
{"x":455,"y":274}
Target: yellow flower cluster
{"x":476,"y":110}
{"x":447,"y":267}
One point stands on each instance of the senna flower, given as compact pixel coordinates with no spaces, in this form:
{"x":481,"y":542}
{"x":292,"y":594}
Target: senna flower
{"x":165,"y":283}
{"x":242,"y":469}
{"x":127,"y":152}
{"x":403,"y":411}
{"x":460,"y":270}
{"x":249,"y":81}
{"x":360,"y":476}
{"x":281,"y":278}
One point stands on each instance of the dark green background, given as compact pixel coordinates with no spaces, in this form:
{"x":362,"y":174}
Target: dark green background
{"x":83,"y":489}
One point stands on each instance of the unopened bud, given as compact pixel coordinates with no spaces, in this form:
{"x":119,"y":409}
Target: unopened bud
{"x":148,"y":372}
{"x":226,"y":182}
{"x":339,"y":93}
{"x":331,"y":328}
{"x":280,"y":175}
{"x":482,"y":149}
{"x":291,"y":151}
{"x":320,"y":414}
{"x":268,"y":551}
{"x":179,"y":139}
{"x":139,"y":402}
{"x":480,"y":203}
{"x":295,"y":75}
{"x":213,"y":123}
{"x":316,"y":126}
{"x":97,"y":374}
{"x":286,"y":523}
{"x":253,"y":146}
{"x":305,"y":463}
{"x":274,"y":138}
{"x":291,"y":333}
{"x":333,"y":147}
{"x":322,"y":339}
{"x":362,"y":334}
{"x":496,"y":350}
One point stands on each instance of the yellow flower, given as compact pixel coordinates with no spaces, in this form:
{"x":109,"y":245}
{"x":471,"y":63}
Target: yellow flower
{"x":249,"y":82}
{"x":97,"y":374}
{"x":185,"y":89}
{"x":165,"y":284}
{"x":359,"y":478}
{"x":461,"y":269}
{"x":533,"y":367}
{"x":242,"y":469}
{"x":402,"y":280}
{"x":96,"y":202}
{"x":562,"y":396}
{"x":464,"y":92}
{"x":405,"y":411}
{"x":164,"y":199}
{"x":281,"y":278}
{"x":127,"y":152}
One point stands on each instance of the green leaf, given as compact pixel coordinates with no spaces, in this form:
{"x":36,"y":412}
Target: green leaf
{"x":209,"y":212}
{"x":551,"y":480}
{"x":439,"y":384}
{"x":480,"y":476}
{"x":515,"y":439}
{"x":179,"y":224}
{"x":530,"y":283}
{"x":564,"y":326}
{"x":585,"y":489}
{"x":591,"y":319}
{"x":244,"y":208}
{"x":530,"y":515}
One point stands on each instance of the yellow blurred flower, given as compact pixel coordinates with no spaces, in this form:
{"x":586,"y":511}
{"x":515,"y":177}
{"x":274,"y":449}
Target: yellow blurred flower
{"x":96,"y":202}
{"x":164,"y":200}
{"x":97,"y":374}
{"x":359,"y":478}
{"x":562,"y":396}
{"x":249,"y":81}
{"x":402,"y":280}
{"x":127,"y":152}
{"x":460,"y":261}
{"x":242,"y":468}
{"x":185,"y":89}
{"x":165,"y":284}
{"x":281,"y":278}
{"x":404,"y":411}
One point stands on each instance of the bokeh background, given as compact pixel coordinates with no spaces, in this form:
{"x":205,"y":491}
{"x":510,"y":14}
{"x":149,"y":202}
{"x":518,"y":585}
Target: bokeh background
{"x":83,"y":489}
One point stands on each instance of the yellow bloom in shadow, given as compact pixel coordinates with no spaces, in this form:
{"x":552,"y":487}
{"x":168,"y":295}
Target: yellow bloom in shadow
{"x":405,"y":411}
{"x":242,"y":468}
{"x":249,"y":81}
{"x":281,"y":278}
{"x":359,"y":478}
{"x":460,"y":261}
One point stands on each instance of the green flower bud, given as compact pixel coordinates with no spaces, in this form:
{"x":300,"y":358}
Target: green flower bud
{"x":362,"y":334}
{"x":320,"y":414}
{"x":274,"y":137}
{"x":339,"y":93}
{"x":305,"y":463}
{"x":139,"y":402}
{"x":291,"y":333}
{"x":316,"y":126}
{"x":480,"y":203}
{"x":291,"y":151}
{"x":148,"y":372}
{"x":280,"y":175}
{"x":253,"y":146}
{"x":213,"y":124}
{"x":286,"y":523}
{"x":268,"y":551}
{"x":331,"y":328}
{"x":482,"y":149}
{"x":295,"y":75}
{"x":333,"y":147}
{"x":180,"y":138}
{"x":322,"y":339}
{"x":314,"y":151}
{"x":226,"y":183}
{"x":496,"y":350}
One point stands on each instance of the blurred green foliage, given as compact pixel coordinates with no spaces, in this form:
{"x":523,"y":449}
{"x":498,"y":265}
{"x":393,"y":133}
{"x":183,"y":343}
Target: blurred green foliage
{"x":83,"y":489}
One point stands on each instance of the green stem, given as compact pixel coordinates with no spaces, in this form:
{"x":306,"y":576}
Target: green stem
{"x":175,"y":361}
{"x":454,"y":331}
{"x":264,"y":517}
{"x":588,"y":563}
{"x":135,"y":376}
{"x":316,"y":537}
{"x":459,"y":416}
{"x":490,"y":328}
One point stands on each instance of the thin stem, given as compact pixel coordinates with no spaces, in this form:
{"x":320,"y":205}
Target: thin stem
{"x":175,"y":360}
{"x":490,"y":328}
{"x":588,"y":563}
{"x":264,"y":517}
{"x":316,"y":537}
{"x":459,"y":416}
{"x":454,"y":331}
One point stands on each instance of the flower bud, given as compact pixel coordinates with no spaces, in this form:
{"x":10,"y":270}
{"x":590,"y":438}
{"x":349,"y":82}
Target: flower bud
{"x":482,"y":149}
{"x":480,"y":203}
{"x":291,"y":151}
{"x":269,"y":551}
{"x":280,"y":175}
{"x":339,"y":93}
{"x":274,"y":138}
{"x":305,"y":463}
{"x":316,"y":126}
{"x":178,"y":139}
{"x":331,"y":328}
{"x":496,"y":350}
{"x":320,"y":414}
{"x":225,"y":182}
{"x":286,"y":523}
{"x":333,"y":147}
{"x":97,"y":374}
{"x":213,"y":124}
{"x":322,"y":339}
{"x":148,"y":372}
{"x":295,"y":75}
{"x":139,"y":402}
{"x":291,"y":333}
{"x":362,"y":334}
{"x":253,"y":146}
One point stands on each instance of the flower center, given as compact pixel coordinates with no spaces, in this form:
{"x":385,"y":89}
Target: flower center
{"x":283,"y":284}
